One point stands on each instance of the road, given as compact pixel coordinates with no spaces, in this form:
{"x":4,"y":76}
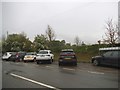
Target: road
{"x":31,"y":75}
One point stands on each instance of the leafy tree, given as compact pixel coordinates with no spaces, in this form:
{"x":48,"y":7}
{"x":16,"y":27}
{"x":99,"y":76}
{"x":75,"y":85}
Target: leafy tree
{"x":16,"y":42}
{"x":50,"y":33}
{"x":77,"y":41}
{"x":63,"y":42}
{"x":40,"y":42}
{"x":56,"y":45}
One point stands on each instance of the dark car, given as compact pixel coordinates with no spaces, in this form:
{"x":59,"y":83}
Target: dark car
{"x":67,"y":56}
{"x":110,"y":56}
{"x":18,"y":56}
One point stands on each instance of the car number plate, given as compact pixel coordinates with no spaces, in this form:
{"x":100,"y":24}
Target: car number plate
{"x":42,"y":55}
{"x":28,"y":56}
{"x":67,"y":58}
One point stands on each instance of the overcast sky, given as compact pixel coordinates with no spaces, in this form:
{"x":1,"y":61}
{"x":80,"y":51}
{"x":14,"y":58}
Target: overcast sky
{"x":67,"y":18}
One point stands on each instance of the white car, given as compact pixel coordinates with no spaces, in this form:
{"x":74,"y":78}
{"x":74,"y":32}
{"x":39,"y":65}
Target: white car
{"x":7,"y":55}
{"x":44,"y":56}
{"x":30,"y":56}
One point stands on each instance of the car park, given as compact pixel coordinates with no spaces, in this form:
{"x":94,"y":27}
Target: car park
{"x":44,"y":56}
{"x":67,"y":56}
{"x":108,"y":56}
{"x":30,"y":56}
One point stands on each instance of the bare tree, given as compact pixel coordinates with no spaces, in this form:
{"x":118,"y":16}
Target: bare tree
{"x":111,"y":33}
{"x":50,"y":33}
{"x":77,"y":41}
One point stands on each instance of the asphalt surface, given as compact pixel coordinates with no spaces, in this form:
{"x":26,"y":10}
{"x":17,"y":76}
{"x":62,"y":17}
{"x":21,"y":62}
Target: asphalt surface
{"x":31,"y":75}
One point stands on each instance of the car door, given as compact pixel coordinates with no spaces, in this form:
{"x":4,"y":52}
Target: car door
{"x":107,"y":58}
{"x":115,"y":58}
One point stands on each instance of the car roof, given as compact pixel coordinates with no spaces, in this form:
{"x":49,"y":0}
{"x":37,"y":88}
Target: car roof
{"x":109,"y":49}
{"x":67,"y":50}
{"x":31,"y":52}
{"x":21,"y":52}
{"x":45,"y":50}
{"x":10,"y":52}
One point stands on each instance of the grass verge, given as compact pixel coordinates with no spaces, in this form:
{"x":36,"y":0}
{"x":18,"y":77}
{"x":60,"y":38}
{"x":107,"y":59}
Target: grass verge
{"x":81,"y":57}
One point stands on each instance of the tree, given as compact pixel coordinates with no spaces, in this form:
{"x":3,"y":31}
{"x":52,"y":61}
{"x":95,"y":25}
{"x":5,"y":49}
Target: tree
{"x":16,"y":42}
{"x":63,"y":42}
{"x":111,"y":33}
{"x":40,"y":42}
{"x":50,"y":33}
{"x":77,"y":41}
{"x":56,"y":46}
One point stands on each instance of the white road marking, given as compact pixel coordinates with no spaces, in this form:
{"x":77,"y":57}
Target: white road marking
{"x":49,"y":66}
{"x":33,"y":81}
{"x":17,"y":63}
{"x":81,"y":70}
{"x":68,"y":69}
{"x":95,"y":72}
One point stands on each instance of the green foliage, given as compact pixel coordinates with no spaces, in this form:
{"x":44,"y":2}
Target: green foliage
{"x":16,"y":42}
{"x":40,"y":42}
{"x":56,"y":46}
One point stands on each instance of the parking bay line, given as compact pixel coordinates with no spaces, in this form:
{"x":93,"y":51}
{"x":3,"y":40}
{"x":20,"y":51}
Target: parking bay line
{"x":68,"y":69}
{"x":49,"y":66}
{"x":33,"y":81}
{"x":95,"y":72}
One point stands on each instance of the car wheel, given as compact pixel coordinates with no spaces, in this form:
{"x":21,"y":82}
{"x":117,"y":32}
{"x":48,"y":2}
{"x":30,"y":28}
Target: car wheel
{"x":60,"y":64}
{"x":95,"y":62}
{"x":34,"y":60}
{"x":13,"y":60}
{"x":8,"y":59}
{"x":75,"y":64}
{"x":37,"y":62}
{"x":51,"y":61}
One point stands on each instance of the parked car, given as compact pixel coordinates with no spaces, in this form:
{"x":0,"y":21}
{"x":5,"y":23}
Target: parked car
{"x":109,"y":56}
{"x":44,"y":56}
{"x":18,"y":56}
{"x":7,"y":56}
{"x":67,"y":56}
{"x":30,"y":56}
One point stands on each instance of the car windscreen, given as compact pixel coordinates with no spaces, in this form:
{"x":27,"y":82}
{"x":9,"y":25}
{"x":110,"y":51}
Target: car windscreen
{"x":10,"y":53}
{"x":67,"y":52}
{"x":43,"y":52}
{"x":30,"y":54}
{"x":21,"y":53}
{"x":13,"y":53}
{"x":70,"y":56}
